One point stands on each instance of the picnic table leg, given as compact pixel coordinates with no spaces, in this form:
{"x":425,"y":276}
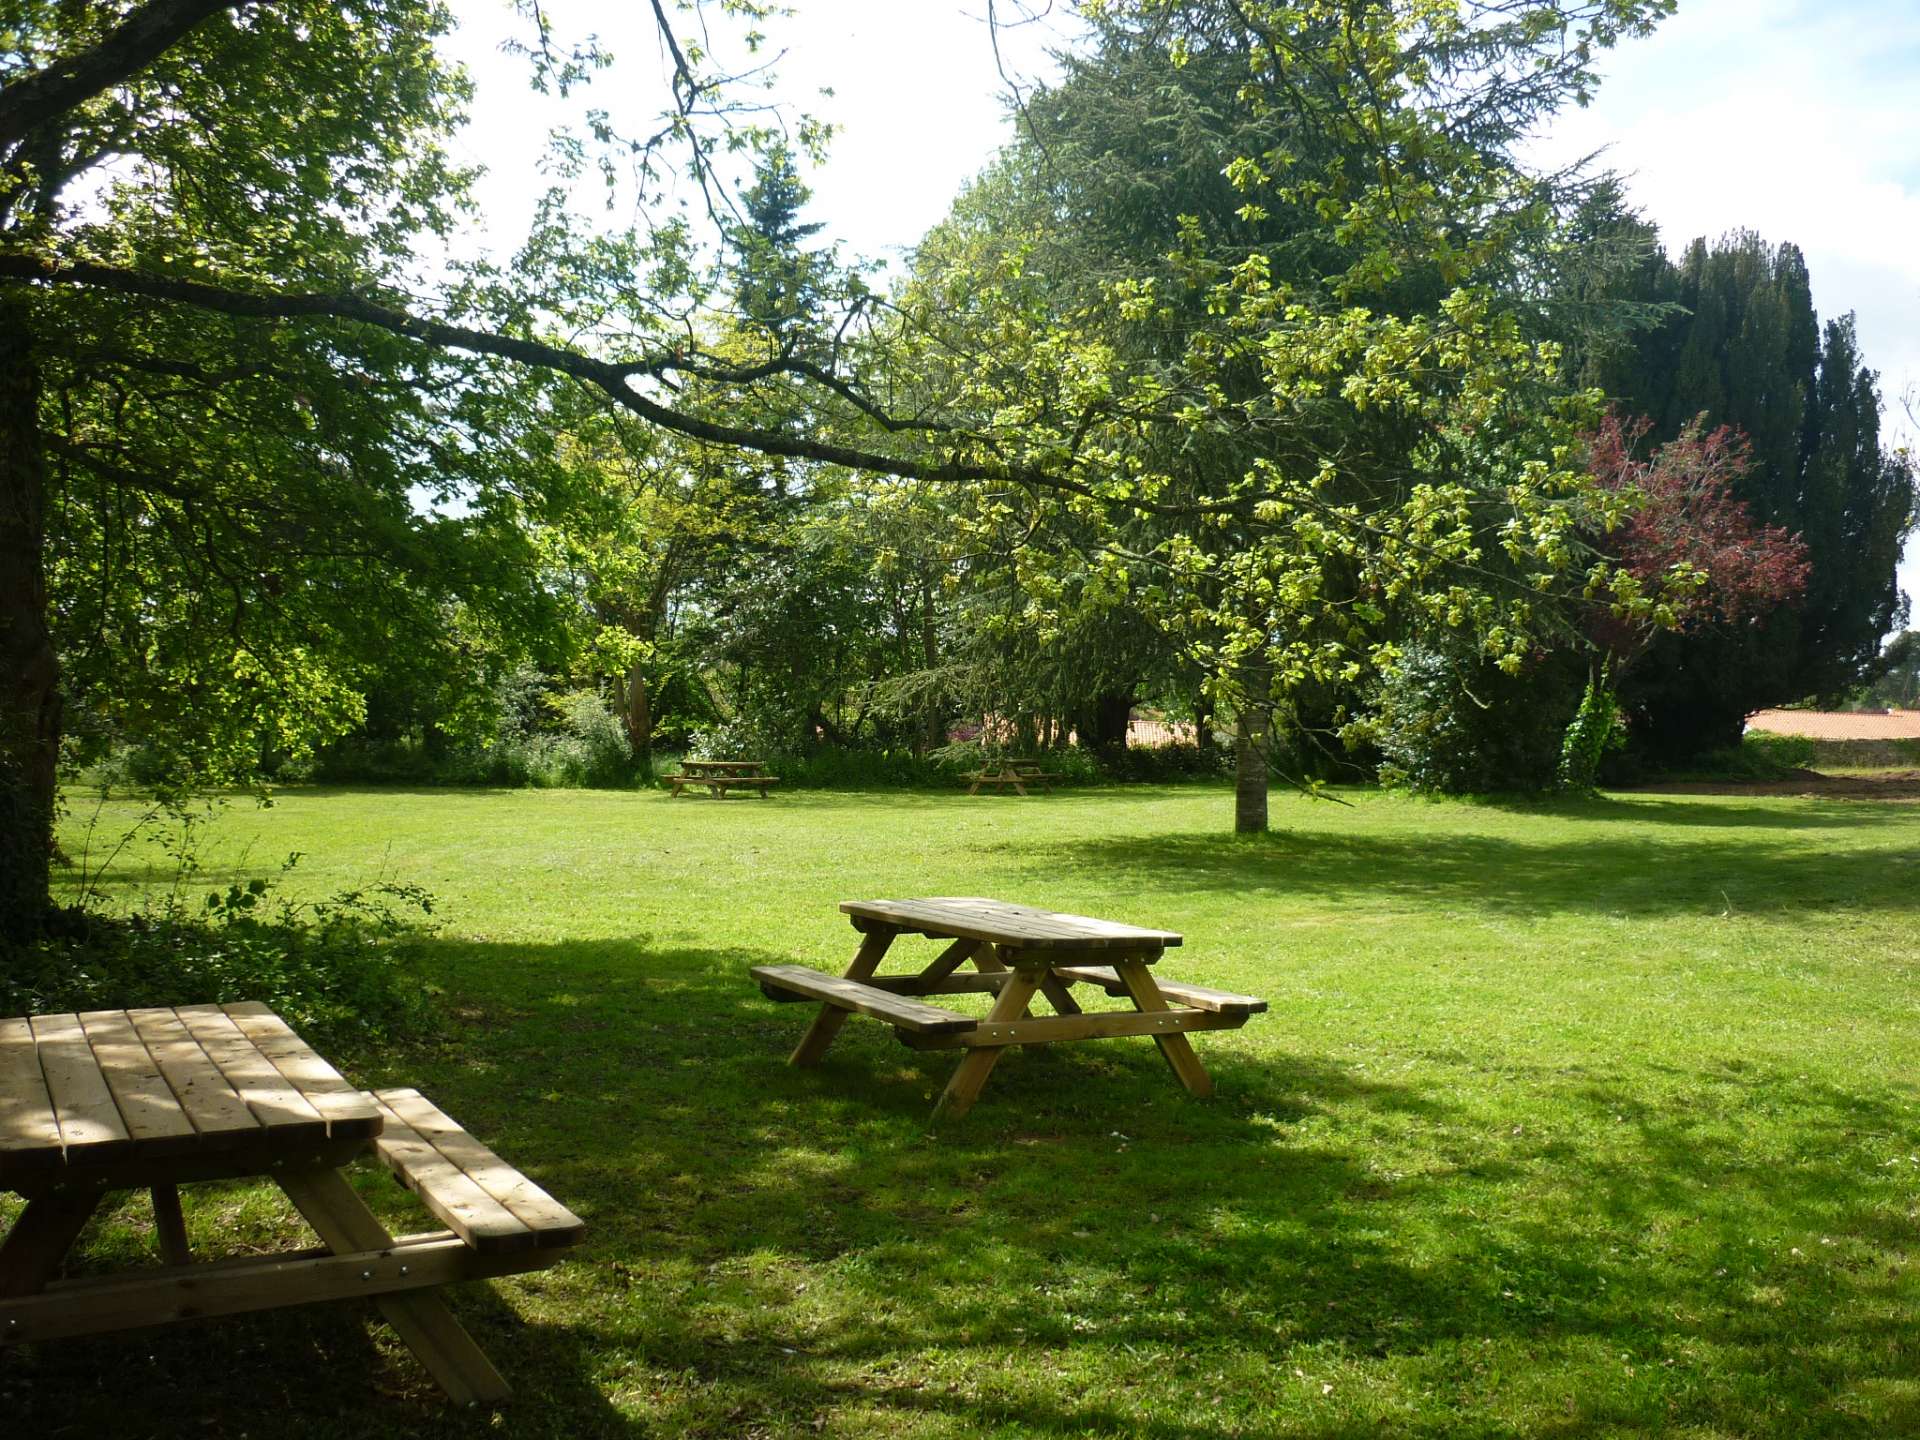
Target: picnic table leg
{"x":170,"y":1226}
{"x":1145,"y":990}
{"x":827,"y":1023}
{"x":971,"y":1074}
{"x":341,"y":1219}
{"x":950,"y":960}
{"x":1059,"y":994}
{"x":41,"y":1237}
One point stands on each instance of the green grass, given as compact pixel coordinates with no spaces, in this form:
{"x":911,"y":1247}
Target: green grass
{"x":1573,"y":1120}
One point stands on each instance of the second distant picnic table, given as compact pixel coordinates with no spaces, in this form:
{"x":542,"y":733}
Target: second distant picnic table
{"x":1016,"y":774}
{"x":720,"y":776}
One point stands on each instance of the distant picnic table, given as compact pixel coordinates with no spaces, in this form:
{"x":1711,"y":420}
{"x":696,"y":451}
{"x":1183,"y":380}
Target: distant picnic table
{"x":154,"y":1099}
{"x":1017,"y":951}
{"x":720,"y":776}
{"x":1016,"y":775}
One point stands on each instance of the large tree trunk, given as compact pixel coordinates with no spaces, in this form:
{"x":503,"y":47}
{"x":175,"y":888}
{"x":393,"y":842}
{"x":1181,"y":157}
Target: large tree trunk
{"x":933,"y":724}
{"x":1112,"y":712}
{"x":1252,"y":736}
{"x":29,"y":674}
{"x":1100,"y":721}
{"x":636,"y":713}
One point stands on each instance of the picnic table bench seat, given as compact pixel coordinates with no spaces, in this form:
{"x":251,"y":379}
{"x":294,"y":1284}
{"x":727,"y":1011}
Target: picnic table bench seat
{"x":1200,"y":997}
{"x":720,"y":784}
{"x":464,"y":1185}
{"x":800,"y":982}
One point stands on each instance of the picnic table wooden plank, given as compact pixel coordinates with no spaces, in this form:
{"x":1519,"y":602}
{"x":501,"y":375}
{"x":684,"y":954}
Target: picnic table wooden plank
{"x":829,"y":1019}
{"x":902,"y":1010}
{"x":550,"y":1222}
{"x":1174,"y":1049}
{"x":147,"y":1104}
{"x":453,"y":1196}
{"x":1003,"y":923}
{"x":1200,"y":997}
{"x":29,"y":1131}
{"x":275,"y":1103}
{"x":90,"y":1125}
{"x":345,"y":1106}
{"x":970,"y":1075}
{"x":1099,"y":1025}
{"x":215,"y":1109}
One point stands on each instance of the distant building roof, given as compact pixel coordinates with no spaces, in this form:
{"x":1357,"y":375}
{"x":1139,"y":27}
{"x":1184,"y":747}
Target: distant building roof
{"x":1839,"y":724}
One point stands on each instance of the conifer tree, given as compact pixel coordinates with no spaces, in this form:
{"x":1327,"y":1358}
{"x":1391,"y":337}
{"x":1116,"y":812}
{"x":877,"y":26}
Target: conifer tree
{"x":1745,"y":348}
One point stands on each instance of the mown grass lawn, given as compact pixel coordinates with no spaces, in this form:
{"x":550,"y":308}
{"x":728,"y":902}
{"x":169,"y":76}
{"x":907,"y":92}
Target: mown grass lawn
{"x":1566,"y":1121}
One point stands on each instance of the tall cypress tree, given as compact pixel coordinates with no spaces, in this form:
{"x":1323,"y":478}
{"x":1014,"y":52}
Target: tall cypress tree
{"x":1747,"y":349}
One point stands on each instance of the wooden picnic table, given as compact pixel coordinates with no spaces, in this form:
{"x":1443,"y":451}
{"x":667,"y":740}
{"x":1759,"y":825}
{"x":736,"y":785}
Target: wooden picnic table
{"x":1017,"y":951}
{"x":1011,"y":774}
{"x":153,"y":1099}
{"x":720,"y":776}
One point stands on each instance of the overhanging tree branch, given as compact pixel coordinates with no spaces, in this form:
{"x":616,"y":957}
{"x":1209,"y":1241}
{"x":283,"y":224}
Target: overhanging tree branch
{"x":129,"y":48}
{"x":612,"y":378}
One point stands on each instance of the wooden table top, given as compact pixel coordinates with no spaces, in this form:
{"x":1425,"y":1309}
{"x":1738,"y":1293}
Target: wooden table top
{"x":113,"y":1087}
{"x":1001,"y":923}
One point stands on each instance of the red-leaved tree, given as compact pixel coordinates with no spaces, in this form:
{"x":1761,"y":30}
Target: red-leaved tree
{"x":1691,"y":543}
{"x":1690,"y":539}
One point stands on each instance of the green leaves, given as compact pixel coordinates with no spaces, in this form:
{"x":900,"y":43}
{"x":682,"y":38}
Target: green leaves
{"x":1278,"y":358}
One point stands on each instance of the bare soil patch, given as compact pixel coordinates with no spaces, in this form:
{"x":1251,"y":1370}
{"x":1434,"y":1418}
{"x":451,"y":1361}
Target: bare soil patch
{"x":1896,"y":785}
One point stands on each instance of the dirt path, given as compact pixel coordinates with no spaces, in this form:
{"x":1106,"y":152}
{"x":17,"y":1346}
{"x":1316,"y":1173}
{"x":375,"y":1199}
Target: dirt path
{"x":1903,"y":785}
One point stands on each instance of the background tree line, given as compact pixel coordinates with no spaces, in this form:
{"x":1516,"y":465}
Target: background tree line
{"x":816,"y":613}
{"x":1257,"y":368}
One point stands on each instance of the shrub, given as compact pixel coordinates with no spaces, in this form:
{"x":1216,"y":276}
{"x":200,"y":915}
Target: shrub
{"x":572,"y":738}
{"x":337,"y":969}
{"x":1449,"y":722}
{"x":1159,"y":764}
{"x":1758,"y":756}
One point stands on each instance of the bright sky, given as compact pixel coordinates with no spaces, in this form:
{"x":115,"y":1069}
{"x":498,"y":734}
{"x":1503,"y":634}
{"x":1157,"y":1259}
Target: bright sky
{"x":917,"y":99}
{"x":1795,"y":118}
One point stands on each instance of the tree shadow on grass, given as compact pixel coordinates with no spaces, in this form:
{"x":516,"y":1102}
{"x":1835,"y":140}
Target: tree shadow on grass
{"x":781,"y":1252}
{"x":1598,"y":873}
{"x":1655,"y":807}
{"x":1092,"y":1252}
